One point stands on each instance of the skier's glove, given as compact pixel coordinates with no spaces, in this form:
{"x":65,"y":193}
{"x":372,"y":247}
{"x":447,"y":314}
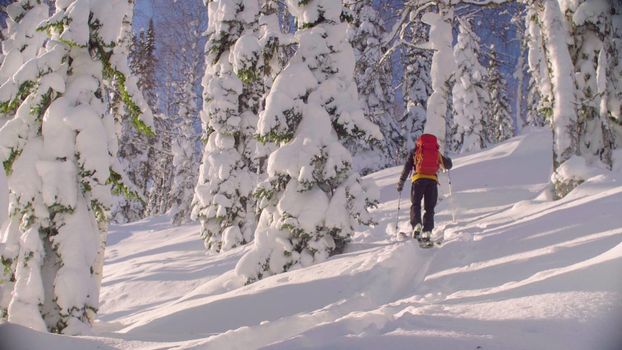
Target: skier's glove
{"x":400,"y":186}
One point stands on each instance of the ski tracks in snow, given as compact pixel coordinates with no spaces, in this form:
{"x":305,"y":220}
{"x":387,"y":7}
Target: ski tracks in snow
{"x":380,"y":276}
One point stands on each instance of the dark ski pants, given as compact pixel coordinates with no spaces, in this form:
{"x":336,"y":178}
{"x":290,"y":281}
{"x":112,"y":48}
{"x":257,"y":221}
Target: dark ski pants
{"x":427,"y":190}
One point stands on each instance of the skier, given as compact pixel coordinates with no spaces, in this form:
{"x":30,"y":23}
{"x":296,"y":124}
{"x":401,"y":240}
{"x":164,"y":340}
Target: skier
{"x":425,"y":159}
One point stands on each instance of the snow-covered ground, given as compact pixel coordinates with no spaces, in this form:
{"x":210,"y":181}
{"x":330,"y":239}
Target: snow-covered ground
{"x":517,"y":271}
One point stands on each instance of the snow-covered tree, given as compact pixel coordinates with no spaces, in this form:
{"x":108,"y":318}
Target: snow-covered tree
{"x":501,"y":127}
{"x":312,"y":198}
{"x":59,"y":153}
{"x":613,"y":48}
{"x":373,"y":79}
{"x":417,"y":90}
{"x":179,"y":47}
{"x":134,"y":148}
{"x":417,"y":84}
{"x":589,"y":23}
{"x":443,"y":68}
{"x":185,"y":163}
{"x":470,"y":97}
{"x":23,"y":42}
{"x":540,"y":93}
{"x":521,"y":70}
{"x":159,"y":156}
{"x":564,"y":117}
{"x":274,"y":46}
{"x":225,"y":184}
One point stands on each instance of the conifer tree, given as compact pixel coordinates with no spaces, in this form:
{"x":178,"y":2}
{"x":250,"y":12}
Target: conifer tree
{"x":226,"y":181}
{"x":443,"y":68}
{"x":589,"y":24}
{"x":22,"y":44}
{"x":134,"y":147}
{"x":312,"y":198}
{"x":417,"y":86}
{"x":469,"y":93}
{"x":185,"y":164}
{"x":373,"y":80}
{"x":58,"y":152}
{"x":274,"y":46}
{"x":540,"y":94}
{"x":500,"y":128}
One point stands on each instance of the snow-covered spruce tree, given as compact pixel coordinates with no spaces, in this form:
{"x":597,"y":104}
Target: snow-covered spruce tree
{"x":564,"y":117}
{"x":373,"y":79}
{"x":470,"y":97}
{"x":590,"y":22}
{"x":313,"y":198}
{"x":185,"y":163}
{"x":443,"y":68}
{"x":592,"y":136}
{"x":417,"y":84}
{"x":22,"y":43}
{"x":225,"y":182}
{"x":274,"y":46}
{"x":498,"y":108}
{"x":58,"y":152}
{"x":521,"y":71}
{"x":613,"y":47}
{"x":159,"y":156}
{"x":134,"y":147}
{"x":540,"y":90}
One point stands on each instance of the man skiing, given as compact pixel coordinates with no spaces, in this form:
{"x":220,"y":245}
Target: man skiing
{"x":424,"y":161}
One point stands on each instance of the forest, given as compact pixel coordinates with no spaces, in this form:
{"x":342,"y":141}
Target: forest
{"x":259,"y":119}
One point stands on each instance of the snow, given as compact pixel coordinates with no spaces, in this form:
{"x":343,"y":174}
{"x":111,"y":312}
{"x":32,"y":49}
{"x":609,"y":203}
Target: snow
{"x":516,"y":271}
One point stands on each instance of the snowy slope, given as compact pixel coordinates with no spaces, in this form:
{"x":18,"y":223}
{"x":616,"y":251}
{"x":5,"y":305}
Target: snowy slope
{"x":517,"y":271}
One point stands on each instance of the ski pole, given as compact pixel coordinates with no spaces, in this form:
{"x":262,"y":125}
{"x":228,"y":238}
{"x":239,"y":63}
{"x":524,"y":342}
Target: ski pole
{"x":397,"y":219}
{"x":451,"y":198}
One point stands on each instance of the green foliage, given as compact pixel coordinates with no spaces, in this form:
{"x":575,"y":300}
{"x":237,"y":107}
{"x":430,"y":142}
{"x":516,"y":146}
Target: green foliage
{"x":119,"y":188}
{"x":269,"y":51}
{"x":100,"y":212}
{"x":247,"y":76}
{"x":292,"y":119}
{"x":27,"y":258}
{"x":221,"y":42}
{"x":58,"y":208}
{"x":9,"y":107}
{"x":119,"y":80}
{"x":275,"y":137}
{"x":347,"y":16}
{"x":54,"y":26}
{"x":39,"y":110}
{"x":8,"y":164}
{"x":307,"y":25}
{"x":275,"y":185}
{"x":320,"y":19}
{"x":7,"y":266}
{"x":547,"y":112}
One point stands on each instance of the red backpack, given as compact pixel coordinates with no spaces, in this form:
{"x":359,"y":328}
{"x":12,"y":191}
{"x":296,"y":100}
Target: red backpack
{"x":427,"y":155}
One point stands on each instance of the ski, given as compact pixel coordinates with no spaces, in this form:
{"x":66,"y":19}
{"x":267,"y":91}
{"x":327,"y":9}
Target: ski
{"x":425,"y":243}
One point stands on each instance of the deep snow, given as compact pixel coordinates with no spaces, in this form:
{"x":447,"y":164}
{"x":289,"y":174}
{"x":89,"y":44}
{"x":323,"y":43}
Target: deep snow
{"x":517,"y":271}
